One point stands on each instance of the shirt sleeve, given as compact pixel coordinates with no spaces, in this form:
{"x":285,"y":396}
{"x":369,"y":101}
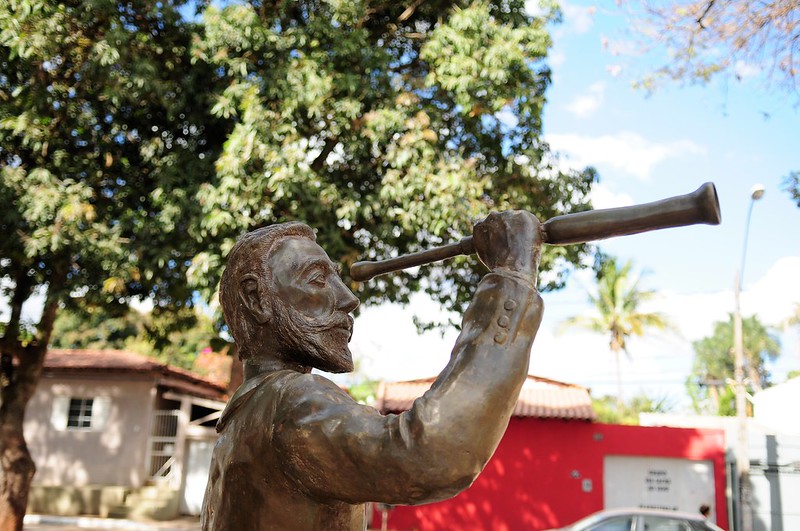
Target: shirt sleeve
{"x":336,"y":449}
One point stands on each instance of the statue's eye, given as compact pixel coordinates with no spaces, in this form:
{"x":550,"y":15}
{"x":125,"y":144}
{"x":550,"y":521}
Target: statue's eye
{"x":317,"y":278}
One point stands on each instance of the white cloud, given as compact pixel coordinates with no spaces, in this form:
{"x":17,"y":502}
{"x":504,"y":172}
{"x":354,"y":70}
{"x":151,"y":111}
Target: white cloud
{"x":746,"y":70}
{"x":624,"y":151}
{"x":771,"y":298}
{"x":615,"y":70}
{"x":588,"y":102}
{"x":578,"y":19}
{"x":556,"y":58}
{"x":619,"y":47}
{"x":661,"y":362}
{"x":534,"y":8}
{"x":602,"y":197}
{"x":387,"y":346}
{"x":774,"y":296}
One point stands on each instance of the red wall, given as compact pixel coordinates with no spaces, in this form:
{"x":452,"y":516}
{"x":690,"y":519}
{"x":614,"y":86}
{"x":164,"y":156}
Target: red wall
{"x":534,"y":480}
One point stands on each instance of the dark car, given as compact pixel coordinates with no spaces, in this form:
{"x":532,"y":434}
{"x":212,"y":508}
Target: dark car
{"x":642,"y":520}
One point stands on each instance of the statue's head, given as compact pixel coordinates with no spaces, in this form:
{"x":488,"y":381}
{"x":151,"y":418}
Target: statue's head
{"x":282,"y":297}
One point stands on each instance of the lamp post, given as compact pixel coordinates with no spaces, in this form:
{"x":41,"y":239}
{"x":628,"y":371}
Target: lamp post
{"x":742,"y":458}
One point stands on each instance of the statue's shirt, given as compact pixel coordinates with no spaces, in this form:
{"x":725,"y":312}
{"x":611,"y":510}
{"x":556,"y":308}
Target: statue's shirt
{"x":296,"y":452}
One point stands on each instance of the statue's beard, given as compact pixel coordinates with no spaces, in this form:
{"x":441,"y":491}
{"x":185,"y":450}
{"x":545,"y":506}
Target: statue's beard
{"x":314,"y":343}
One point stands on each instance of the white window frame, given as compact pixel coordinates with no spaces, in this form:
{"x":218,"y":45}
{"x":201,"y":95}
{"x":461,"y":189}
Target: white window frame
{"x":60,"y":415}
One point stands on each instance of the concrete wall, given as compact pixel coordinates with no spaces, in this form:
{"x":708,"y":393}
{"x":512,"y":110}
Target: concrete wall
{"x":112,"y":455}
{"x":774,"y":454}
{"x":776,"y":407}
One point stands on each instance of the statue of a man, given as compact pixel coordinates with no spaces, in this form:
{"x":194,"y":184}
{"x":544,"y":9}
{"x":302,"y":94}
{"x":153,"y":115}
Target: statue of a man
{"x":295,"y":451}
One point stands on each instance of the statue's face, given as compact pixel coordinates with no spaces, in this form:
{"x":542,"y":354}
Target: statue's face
{"x":311,"y":305}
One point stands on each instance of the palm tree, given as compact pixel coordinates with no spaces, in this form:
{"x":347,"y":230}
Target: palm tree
{"x":617,"y":310}
{"x":713,"y":364}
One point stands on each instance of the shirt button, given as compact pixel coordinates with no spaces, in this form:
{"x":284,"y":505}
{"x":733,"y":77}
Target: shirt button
{"x":500,"y":337}
{"x":503,"y":321}
{"x":510,"y":304}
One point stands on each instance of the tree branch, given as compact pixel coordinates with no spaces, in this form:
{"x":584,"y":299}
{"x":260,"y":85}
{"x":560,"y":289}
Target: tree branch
{"x":23,"y":287}
{"x":704,"y":13}
{"x":409,"y":11}
{"x":330,"y":143}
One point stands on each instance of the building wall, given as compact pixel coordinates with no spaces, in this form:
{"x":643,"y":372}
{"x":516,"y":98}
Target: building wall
{"x":773,"y":450}
{"x":112,"y":455}
{"x":549,"y":473}
{"x":775,"y":407}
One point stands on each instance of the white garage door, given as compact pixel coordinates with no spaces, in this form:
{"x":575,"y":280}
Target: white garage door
{"x":198,"y":461}
{"x":659,"y":483}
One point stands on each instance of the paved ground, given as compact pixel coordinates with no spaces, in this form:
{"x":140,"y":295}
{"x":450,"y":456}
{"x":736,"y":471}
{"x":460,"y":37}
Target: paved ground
{"x":36,"y":522}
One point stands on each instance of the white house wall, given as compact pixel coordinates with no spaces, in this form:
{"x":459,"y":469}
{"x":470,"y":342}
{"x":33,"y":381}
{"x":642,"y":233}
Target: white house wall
{"x":776,"y":407}
{"x":113,"y":455}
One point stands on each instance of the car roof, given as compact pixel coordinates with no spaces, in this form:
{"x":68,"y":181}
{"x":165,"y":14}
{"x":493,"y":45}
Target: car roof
{"x":651,"y":512}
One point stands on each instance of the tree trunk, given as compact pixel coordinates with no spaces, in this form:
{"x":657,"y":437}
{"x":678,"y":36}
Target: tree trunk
{"x":16,"y":464}
{"x":620,"y":403}
{"x":755,"y":377}
{"x":713,"y":393}
{"x":22,"y":369}
{"x":16,"y":473}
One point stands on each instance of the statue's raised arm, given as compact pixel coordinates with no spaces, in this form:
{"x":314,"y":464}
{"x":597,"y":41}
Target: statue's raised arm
{"x":295,"y":451}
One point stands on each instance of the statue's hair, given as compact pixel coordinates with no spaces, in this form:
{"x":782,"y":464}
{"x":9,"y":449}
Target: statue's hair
{"x":250,"y":254}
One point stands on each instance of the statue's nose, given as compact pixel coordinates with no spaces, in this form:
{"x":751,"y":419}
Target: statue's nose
{"x":346,"y":301}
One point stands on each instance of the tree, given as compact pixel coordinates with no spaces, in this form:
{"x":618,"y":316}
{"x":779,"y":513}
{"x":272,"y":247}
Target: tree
{"x":95,"y":328}
{"x":709,"y":38}
{"x":713,"y":364}
{"x":617,"y":310}
{"x":609,"y":411}
{"x":175,"y":337}
{"x":792,"y":185}
{"x":388,"y":127}
{"x":104,"y":137}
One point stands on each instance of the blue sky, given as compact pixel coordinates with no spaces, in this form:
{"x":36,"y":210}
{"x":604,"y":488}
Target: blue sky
{"x":646,"y":148}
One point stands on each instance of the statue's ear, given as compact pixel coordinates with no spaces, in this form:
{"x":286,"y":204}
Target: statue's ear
{"x":254,"y":299}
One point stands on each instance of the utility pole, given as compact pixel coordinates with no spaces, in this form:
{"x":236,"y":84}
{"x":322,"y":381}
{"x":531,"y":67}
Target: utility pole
{"x":742,"y":453}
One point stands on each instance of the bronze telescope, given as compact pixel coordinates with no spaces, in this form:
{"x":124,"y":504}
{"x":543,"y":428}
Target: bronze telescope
{"x":698,"y":207}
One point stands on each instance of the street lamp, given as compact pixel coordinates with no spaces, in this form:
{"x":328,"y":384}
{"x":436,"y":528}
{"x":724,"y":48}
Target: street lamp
{"x":742,"y":458}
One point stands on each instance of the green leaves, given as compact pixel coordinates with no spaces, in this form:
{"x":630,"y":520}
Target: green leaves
{"x":155,"y":142}
{"x":484,"y":63}
{"x":617,"y":310}
{"x":104,"y":139}
{"x":388,"y":128}
{"x":714,"y":365}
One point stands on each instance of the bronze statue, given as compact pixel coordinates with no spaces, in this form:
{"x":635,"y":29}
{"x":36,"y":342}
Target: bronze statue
{"x":295,"y":451}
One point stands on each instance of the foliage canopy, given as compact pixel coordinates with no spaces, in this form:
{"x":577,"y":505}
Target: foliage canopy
{"x":388,"y":127}
{"x":104,"y":138}
{"x":713,"y":364}
{"x":709,"y":38}
{"x":136,"y":145}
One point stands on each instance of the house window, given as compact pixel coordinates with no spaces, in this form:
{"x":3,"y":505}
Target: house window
{"x":79,"y":415}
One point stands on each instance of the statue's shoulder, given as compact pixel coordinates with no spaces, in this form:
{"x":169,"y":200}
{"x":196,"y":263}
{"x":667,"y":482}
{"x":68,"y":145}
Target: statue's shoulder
{"x":257,"y":390}
{"x":311,"y":388}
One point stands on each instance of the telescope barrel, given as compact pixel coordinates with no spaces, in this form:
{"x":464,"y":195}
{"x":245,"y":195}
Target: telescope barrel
{"x":698,"y":207}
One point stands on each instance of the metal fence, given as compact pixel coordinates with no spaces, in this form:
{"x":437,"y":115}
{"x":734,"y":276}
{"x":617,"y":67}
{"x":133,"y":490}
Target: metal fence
{"x":161,"y":448}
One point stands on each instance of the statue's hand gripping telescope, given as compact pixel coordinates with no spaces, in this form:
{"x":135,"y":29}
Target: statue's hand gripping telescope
{"x":700,"y":206}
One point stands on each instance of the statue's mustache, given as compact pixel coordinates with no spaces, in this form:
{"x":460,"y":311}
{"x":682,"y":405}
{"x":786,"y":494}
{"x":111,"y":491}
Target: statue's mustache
{"x":337,"y":319}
